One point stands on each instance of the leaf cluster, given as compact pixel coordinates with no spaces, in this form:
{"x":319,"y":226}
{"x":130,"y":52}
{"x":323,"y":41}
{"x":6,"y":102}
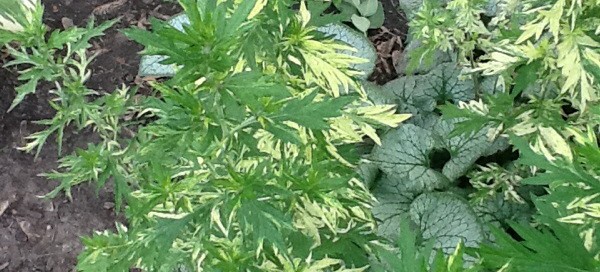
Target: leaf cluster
{"x":533,"y":66}
{"x":363,"y":14}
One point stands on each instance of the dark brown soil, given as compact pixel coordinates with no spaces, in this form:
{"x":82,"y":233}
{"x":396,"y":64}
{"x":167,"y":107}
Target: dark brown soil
{"x":44,"y":235}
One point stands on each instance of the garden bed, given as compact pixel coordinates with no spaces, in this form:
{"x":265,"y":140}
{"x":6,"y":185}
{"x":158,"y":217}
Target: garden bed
{"x":44,"y":235}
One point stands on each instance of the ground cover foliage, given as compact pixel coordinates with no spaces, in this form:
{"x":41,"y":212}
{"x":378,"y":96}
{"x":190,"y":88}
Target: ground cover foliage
{"x":246,"y":158}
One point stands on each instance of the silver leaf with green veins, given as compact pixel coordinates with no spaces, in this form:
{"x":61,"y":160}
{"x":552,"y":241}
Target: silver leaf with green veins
{"x":447,"y":219}
{"x":150,"y":64}
{"x":440,"y":85}
{"x":464,"y":149}
{"x":497,"y":210}
{"x":404,"y":155}
{"x":393,"y":205}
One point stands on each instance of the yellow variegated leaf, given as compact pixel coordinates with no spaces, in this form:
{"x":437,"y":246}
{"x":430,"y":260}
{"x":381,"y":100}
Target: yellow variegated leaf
{"x":257,"y":8}
{"x":345,"y":130}
{"x":577,"y":218}
{"x":539,"y":147}
{"x":382,"y":114}
{"x":304,"y":13}
{"x":371,"y":132}
{"x":556,"y":142}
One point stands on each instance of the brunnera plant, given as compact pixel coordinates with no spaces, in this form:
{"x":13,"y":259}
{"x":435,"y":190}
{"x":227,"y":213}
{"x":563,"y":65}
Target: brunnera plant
{"x":534,"y":65}
{"x":243,"y":161}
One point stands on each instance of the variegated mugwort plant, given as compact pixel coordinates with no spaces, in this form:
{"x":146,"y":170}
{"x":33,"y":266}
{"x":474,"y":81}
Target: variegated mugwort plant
{"x":244,"y":160}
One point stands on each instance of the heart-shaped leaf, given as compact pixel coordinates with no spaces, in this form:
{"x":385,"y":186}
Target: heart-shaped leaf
{"x":404,"y":155}
{"x":447,"y":220}
{"x":440,"y":85}
{"x":361,"y":23}
{"x":392,"y":206}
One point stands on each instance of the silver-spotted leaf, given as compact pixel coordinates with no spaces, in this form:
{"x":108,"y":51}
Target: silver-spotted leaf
{"x":447,"y":85}
{"x":393,"y":203}
{"x":411,"y":54}
{"x":500,"y":144}
{"x":378,"y":95}
{"x":368,"y":172}
{"x":411,"y":91}
{"x":447,"y":220}
{"x":440,"y":85}
{"x":464,"y":149}
{"x":404,"y":155}
{"x":498,"y":211}
{"x":150,"y":64}
{"x":179,"y":21}
{"x":410,"y":7}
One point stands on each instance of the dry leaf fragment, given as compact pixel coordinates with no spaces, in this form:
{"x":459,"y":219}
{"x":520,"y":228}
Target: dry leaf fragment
{"x":3,"y":206}
{"x":26,"y":228}
{"x":67,"y":22}
{"x":108,"y":8}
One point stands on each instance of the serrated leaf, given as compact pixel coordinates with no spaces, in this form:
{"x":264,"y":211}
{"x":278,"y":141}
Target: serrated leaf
{"x":313,"y":114}
{"x":447,"y":219}
{"x":150,"y":65}
{"x":364,"y":47}
{"x":557,"y":248}
{"x":23,"y":91}
{"x":240,"y":15}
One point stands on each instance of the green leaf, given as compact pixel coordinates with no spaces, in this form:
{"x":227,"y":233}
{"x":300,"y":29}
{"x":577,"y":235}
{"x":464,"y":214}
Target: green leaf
{"x":360,"y":22}
{"x":23,"y":91}
{"x":313,"y":114}
{"x":409,"y":257}
{"x":378,"y":18}
{"x":150,"y":65}
{"x":263,"y":222}
{"x":553,"y":249}
{"x":526,"y":75}
{"x":368,"y":8}
{"x":284,"y":133}
{"x":319,"y":18}
{"x":239,"y":16}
